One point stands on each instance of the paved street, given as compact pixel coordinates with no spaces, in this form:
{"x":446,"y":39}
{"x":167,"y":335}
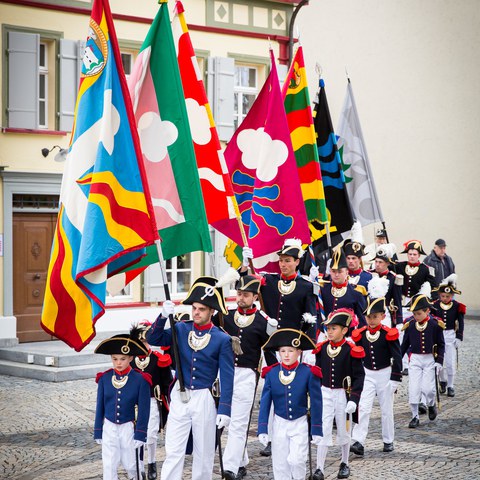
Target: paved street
{"x":46,"y":433}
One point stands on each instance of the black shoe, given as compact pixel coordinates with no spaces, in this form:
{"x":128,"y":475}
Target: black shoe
{"x":405,"y":371}
{"x":443,"y":387}
{"x":422,"y":409}
{"x":229,"y":475}
{"x":357,"y":448}
{"x":318,"y":475}
{"x":242,"y":472}
{"x":450,"y":392}
{"x":432,"y":412}
{"x":152,"y":471}
{"x":414,"y":422}
{"x":267,"y":451}
{"x":344,"y":471}
{"x":388,"y":447}
{"x":144,"y":476}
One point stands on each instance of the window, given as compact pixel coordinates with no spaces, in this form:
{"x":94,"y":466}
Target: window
{"x":179,"y":274}
{"x":127,"y":62}
{"x":245,"y":91}
{"x":43,"y":87}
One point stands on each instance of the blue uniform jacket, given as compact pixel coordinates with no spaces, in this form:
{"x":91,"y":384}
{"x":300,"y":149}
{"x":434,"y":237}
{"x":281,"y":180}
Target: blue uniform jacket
{"x":200,"y":368}
{"x":361,"y":278}
{"x":452,"y":315}
{"x":291,"y":401}
{"x":118,"y":405}
{"x":351,"y":299}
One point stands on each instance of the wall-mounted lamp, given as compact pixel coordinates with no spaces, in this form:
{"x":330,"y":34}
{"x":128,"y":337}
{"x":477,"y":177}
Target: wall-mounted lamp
{"x":61,"y":156}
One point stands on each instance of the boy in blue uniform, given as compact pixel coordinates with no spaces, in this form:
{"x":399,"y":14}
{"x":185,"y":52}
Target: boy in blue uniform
{"x":205,"y":352}
{"x":120,"y":391}
{"x":424,"y":338}
{"x":289,"y":385}
{"x":342,"y":383}
{"x":452,"y":313}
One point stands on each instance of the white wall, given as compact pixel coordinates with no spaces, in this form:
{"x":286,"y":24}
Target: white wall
{"x":415,"y":69}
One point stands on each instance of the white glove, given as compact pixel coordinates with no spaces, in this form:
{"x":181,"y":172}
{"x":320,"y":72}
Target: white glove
{"x":222,"y":421}
{"x":263,"y":439}
{"x":98,"y":441}
{"x":316,"y":439}
{"x":351,"y":407}
{"x":457,"y":342}
{"x":168,"y":308}
{"x":272,"y":325}
{"x":314,"y":271}
{"x":247,"y":253}
{"x":137,"y":444}
{"x":438,"y":366}
{"x":393,"y":384}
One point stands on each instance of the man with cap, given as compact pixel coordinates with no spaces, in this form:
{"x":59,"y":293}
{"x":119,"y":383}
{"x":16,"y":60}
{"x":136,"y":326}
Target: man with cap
{"x":123,"y":406}
{"x":204,"y":353}
{"x":250,"y":330}
{"x":393,"y":297}
{"x":424,"y":339}
{"x":370,"y":250}
{"x":441,"y":263}
{"x":342,"y":382}
{"x":383,"y":367}
{"x":294,"y":389}
{"x":155,"y":363}
{"x":452,"y":313}
{"x":339,"y":293}
{"x":354,"y":250}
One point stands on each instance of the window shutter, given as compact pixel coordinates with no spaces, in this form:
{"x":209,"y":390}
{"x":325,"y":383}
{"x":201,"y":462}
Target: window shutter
{"x":221,"y":76}
{"x":153,"y":285}
{"x":23,"y":60}
{"x":70,"y":68}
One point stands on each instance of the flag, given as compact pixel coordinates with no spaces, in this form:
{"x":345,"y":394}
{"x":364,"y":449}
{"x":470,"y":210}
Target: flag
{"x":215,"y":182}
{"x":302,"y":133}
{"x":264,"y":174}
{"x":106,"y":217}
{"x":166,"y":140}
{"x":336,"y":197}
{"x":356,"y":166}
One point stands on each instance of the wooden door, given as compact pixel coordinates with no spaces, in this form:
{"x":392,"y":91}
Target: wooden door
{"x":32,"y":241}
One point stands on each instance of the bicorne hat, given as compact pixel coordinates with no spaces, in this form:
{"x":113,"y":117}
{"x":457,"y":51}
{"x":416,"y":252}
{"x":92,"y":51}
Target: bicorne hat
{"x":448,"y":285}
{"x":339,"y":260}
{"x":289,"y":337}
{"x":419,"y":302}
{"x":292,"y":247}
{"x":386,"y":252}
{"x":248,"y":283}
{"x":124,"y":344}
{"x":413,"y":245}
{"x":205,"y":291}
{"x":341,"y":316}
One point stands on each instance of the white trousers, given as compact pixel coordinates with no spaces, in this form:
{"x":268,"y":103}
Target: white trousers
{"x":152,"y":432}
{"x":450,"y":361}
{"x":421,"y":379}
{"x":289,"y":448}
{"x":376,"y":385}
{"x":200,"y":415}
{"x":117,"y":447}
{"x":406,"y":313}
{"x":334,"y":401}
{"x":235,"y":454}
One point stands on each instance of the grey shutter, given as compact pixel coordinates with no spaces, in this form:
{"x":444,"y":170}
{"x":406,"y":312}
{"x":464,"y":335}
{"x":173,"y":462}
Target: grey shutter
{"x":70,"y":68}
{"x":221,"y":76}
{"x":153,"y":290}
{"x":23,"y":79}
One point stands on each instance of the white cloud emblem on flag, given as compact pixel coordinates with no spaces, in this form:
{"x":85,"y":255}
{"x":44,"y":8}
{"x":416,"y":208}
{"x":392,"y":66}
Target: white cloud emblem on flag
{"x":155,"y":136}
{"x":261,"y":153}
{"x":199,"y":122}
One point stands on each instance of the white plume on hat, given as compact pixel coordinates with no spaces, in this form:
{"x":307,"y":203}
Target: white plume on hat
{"x":450,"y":280}
{"x":356,"y":232}
{"x":230,"y":276}
{"x":294,"y":242}
{"x":378,"y":287}
{"x":425,"y":289}
{"x":387,"y":250}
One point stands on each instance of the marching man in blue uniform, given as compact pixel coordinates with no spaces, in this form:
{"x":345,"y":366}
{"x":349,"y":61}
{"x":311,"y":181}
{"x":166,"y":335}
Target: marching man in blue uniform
{"x":205,"y":352}
{"x":120,"y":391}
{"x":424,"y":338}
{"x":248,"y":326}
{"x":452,"y":313}
{"x":383,"y":367}
{"x":289,"y":385}
{"x":342,"y":383}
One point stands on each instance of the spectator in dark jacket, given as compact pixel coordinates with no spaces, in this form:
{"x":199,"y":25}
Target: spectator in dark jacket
{"x":440,"y":262}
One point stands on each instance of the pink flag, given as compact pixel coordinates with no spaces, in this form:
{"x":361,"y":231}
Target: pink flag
{"x":264,"y":175}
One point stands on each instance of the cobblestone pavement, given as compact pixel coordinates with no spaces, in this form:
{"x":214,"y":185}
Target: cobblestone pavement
{"x":46,"y":433}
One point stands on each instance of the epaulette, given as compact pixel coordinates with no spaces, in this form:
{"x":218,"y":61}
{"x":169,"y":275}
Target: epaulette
{"x":163,"y":359}
{"x":357,"y":352}
{"x":357,"y":334}
{"x":441,"y":324}
{"x":146,"y":376}
{"x":265,"y":370}
{"x":392,"y":333}
{"x":316,"y":370}
{"x":318,"y":347}
{"x":101,"y":374}
{"x":462,"y":308}
{"x":361,"y":289}
{"x":405,"y":325}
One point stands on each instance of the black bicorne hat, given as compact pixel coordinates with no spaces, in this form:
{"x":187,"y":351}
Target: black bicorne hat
{"x":341,"y":316}
{"x":248,"y":283}
{"x":289,"y":337}
{"x":353,"y":248}
{"x":386,"y":252}
{"x":205,"y":292}
{"x":124,"y":344}
{"x":375,"y":305}
{"x":413,"y":245}
{"x":339,"y":260}
{"x":419,"y":302}
{"x":292,"y":247}
{"x":448,"y":285}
